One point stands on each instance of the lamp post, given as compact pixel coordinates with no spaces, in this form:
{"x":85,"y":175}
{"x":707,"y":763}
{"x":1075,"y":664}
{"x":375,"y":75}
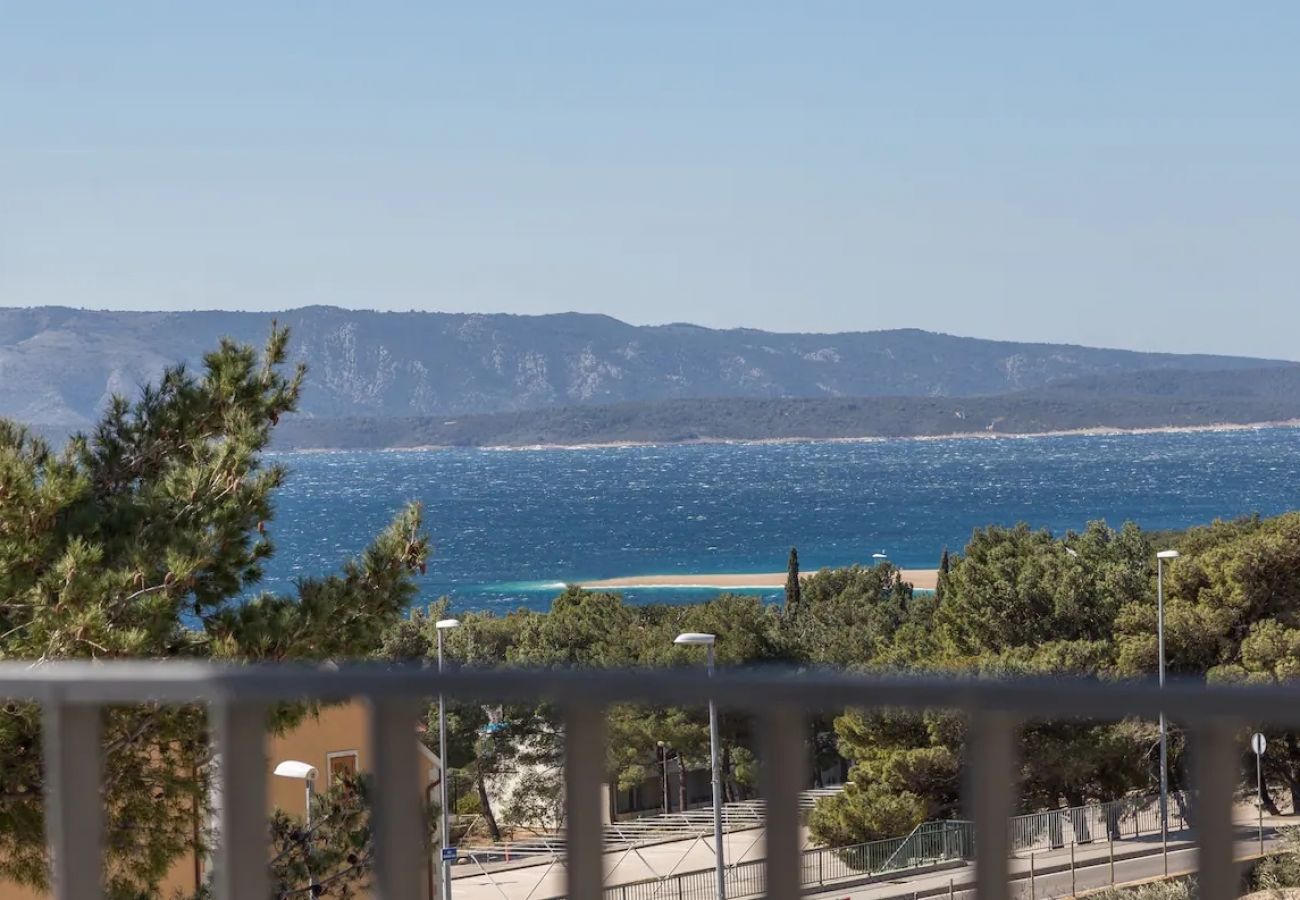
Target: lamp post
{"x":1164,"y":729}
{"x":707,"y":640}
{"x":442,"y":625}
{"x":663,"y":768}
{"x":292,"y":768}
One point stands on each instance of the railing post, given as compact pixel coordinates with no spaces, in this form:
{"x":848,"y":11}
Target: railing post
{"x":584,"y":764}
{"x":1216,"y":768}
{"x":74,"y":821}
{"x":398,"y":825}
{"x":782,"y":764}
{"x":240,"y":792}
{"x":989,"y":788}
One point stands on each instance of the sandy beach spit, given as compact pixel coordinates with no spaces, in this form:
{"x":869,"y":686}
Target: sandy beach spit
{"x":1094,"y":431}
{"x":921,"y":579}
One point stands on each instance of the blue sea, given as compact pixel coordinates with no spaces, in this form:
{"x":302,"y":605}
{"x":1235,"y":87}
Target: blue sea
{"x":510,"y":527}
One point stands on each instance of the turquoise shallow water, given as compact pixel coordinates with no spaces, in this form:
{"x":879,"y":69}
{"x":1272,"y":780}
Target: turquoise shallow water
{"x":510,"y":527}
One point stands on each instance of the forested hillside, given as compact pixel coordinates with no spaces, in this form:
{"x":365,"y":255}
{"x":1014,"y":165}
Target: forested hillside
{"x":1129,"y":401}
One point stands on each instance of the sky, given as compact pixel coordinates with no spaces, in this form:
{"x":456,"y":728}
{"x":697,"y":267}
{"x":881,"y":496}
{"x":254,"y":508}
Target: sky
{"x":1108,"y":173}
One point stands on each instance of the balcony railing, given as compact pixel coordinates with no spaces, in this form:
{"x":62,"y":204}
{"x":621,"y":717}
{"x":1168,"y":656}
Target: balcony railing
{"x":73,"y":694}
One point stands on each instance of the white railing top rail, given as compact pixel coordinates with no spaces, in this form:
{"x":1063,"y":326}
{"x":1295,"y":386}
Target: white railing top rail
{"x":750,"y":689}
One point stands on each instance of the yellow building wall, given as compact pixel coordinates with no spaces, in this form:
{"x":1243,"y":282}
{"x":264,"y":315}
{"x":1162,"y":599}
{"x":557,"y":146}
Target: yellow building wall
{"x":335,"y":730}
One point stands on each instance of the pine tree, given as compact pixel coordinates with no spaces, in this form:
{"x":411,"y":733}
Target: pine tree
{"x":941,"y":582}
{"x":792,"y":589}
{"x":139,"y":541}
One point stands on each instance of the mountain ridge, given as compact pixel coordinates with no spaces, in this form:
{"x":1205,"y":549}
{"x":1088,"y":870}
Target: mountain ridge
{"x":59,"y":365}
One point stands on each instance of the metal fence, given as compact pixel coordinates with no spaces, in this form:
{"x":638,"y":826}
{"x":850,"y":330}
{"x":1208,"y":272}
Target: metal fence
{"x":928,"y":844}
{"x":73,"y":696}
{"x":737,"y":815}
{"x":1130,"y":817}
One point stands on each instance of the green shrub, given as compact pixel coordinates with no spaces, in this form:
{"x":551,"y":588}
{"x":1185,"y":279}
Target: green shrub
{"x":1178,"y":889}
{"x":467,"y":804}
{"x":859,"y":814}
{"x":1281,"y":869}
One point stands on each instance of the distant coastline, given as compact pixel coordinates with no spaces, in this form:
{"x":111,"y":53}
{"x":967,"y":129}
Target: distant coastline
{"x":1093,"y":431}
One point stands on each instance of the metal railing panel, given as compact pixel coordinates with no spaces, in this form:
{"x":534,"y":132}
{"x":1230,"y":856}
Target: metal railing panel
{"x":990,"y":788}
{"x":1216,"y":769}
{"x":239,"y":732}
{"x":241,"y":695}
{"x":397,"y":822}
{"x":584,"y":769}
{"x":74,"y":820}
{"x":782,"y":730}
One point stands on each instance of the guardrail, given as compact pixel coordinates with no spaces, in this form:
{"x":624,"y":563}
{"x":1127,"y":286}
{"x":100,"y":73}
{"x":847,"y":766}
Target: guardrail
{"x":73,"y":695}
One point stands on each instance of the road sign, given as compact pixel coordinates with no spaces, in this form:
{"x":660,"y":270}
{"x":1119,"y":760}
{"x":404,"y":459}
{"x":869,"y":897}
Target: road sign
{"x":1257,"y":743}
{"x":448,"y":854}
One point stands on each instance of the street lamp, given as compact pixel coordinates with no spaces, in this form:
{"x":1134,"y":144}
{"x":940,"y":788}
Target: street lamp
{"x":877,"y":557}
{"x":292,"y":768}
{"x":691,"y":638}
{"x":1164,"y":730}
{"x":442,"y":625}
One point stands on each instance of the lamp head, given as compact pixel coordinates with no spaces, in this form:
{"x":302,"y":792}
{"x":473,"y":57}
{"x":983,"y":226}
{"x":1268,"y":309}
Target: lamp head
{"x":443,"y":624}
{"x":292,"y":768}
{"x":1167,"y":554}
{"x":695,"y":638}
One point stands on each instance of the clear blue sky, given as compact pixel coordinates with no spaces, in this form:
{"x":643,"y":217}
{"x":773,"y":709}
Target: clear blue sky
{"x":1122,"y":173}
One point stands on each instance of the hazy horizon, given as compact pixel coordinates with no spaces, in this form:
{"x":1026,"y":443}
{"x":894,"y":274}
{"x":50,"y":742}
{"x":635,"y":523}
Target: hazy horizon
{"x":1110,"y":176}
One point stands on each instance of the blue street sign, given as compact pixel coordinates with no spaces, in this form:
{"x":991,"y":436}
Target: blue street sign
{"x":448,"y":854}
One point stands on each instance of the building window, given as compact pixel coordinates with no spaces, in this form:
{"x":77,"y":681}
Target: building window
{"x":342,"y":764}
